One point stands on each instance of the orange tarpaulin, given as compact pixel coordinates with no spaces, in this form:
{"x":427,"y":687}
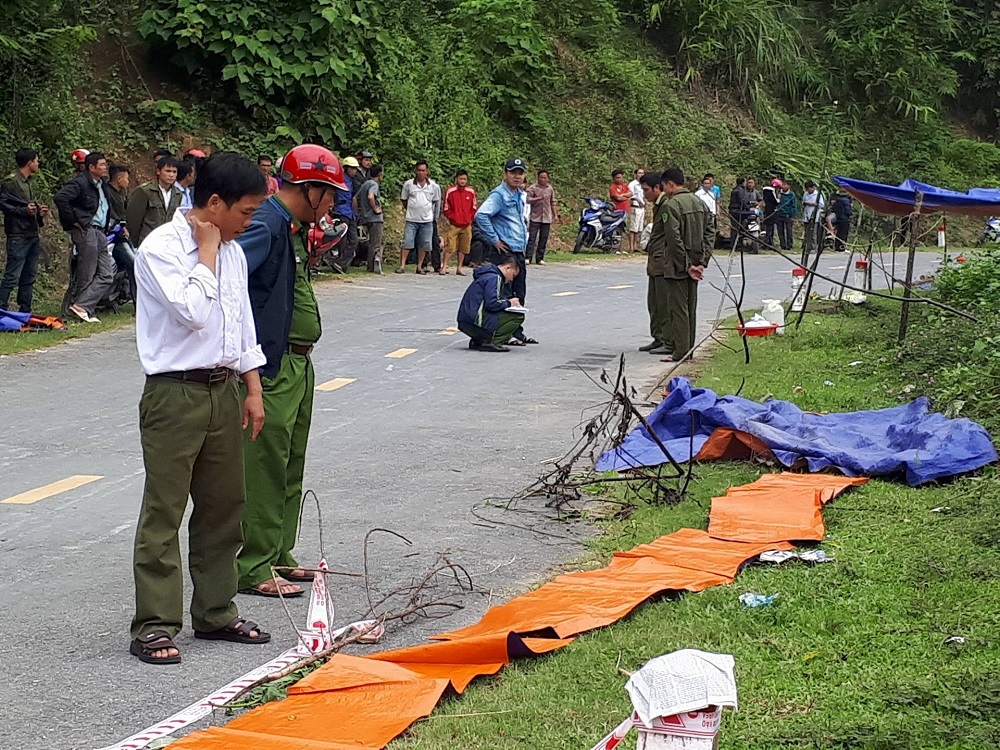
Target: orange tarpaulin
{"x":781,"y":507}
{"x":363,"y":703}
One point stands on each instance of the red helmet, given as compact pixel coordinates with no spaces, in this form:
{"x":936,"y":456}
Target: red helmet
{"x":79,"y":156}
{"x":196,"y":152}
{"x":311,"y":163}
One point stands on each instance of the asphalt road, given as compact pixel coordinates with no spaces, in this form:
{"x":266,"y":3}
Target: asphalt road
{"x":410,"y":444}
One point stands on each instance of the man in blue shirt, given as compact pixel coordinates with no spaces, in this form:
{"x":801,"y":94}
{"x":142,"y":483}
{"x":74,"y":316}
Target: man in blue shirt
{"x":501,"y":220}
{"x":343,"y":207}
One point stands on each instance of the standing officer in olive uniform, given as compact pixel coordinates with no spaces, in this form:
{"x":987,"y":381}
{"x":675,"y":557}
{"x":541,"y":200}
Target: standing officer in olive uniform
{"x":656,"y":293}
{"x":689,"y":230}
{"x":287,"y":320}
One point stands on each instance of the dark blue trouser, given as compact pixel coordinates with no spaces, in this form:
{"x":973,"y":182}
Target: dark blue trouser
{"x":21,"y":271}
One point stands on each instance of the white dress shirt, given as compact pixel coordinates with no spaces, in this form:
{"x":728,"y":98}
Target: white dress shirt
{"x":708,"y":198}
{"x":187,"y":318}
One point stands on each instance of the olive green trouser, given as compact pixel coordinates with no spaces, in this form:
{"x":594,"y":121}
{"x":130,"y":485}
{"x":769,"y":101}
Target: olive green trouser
{"x":191,"y":444}
{"x":275,"y":465}
{"x":656,"y":304}
{"x":681,"y":314}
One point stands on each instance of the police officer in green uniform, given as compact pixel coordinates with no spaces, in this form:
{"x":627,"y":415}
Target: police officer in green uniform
{"x":656,"y":293}
{"x":689,"y":234}
{"x":287,"y":320}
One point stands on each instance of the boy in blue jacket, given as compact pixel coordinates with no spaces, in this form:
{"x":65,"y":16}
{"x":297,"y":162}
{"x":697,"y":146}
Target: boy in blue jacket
{"x":483,"y":314}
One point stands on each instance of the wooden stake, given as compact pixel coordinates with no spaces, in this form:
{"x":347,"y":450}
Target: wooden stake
{"x":904,"y":318}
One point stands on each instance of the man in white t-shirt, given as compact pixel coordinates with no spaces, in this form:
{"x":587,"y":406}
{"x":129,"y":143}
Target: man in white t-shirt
{"x":636,"y":213}
{"x":421,"y":199}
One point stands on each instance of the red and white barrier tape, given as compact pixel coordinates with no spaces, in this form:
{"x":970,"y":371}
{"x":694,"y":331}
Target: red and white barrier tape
{"x":616,"y":736}
{"x":315,"y":637}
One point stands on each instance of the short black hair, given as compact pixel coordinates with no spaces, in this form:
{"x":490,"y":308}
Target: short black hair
{"x":160,"y":153}
{"x":461,"y":173}
{"x":169,"y":161}
{"x":507,"y":259}
{"x":810,"y":184}
{"x":741,"y":181}
{"x":423,"y":163}
{"x":24,"y":156}
{"x":93,"y":157}
{"x":542,"y":171}
{"x":230,"y":176}
{"x":264,"y":157}
{"x":674,"y":175}
{"x":185,"y":168}
{"x":708,"y":176}
{"x":116,"y":169}
{"x":616,"y":173}
{"x":375,"y":171}
{"x":650,"y":179}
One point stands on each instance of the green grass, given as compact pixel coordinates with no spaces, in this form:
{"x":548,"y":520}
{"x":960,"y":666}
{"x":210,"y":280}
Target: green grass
{"x":851,"y":655}
{"x":17,"y":343}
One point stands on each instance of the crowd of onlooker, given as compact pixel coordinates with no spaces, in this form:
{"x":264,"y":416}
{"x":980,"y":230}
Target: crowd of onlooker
{"x":102,"y":211}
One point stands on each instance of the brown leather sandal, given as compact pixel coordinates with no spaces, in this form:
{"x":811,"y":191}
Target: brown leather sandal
{"x":237,"y":631}
{"x":145,"y":646}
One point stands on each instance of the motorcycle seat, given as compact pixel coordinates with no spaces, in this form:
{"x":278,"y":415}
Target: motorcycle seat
{"x":611,"y":218}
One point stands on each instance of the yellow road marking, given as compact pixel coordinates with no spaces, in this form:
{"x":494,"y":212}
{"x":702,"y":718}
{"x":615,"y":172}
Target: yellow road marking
{"x":448,"y":331}
{"x":63,"y":485}
{"x":332,"y":385}
{"x":400,"y":353}
{"x":564,"y":294}
{"x":621,"y":286}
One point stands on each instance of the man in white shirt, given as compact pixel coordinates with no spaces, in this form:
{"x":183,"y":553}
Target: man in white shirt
{"x":706,"y":192}
{"x":636,"y":220}
{"x":421,"y":199}
{"x":812,"y":218}
{"x":196,"y":339}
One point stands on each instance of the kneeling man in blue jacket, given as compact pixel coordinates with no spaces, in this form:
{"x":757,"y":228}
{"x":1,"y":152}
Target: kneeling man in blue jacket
{"x":483,"y":315}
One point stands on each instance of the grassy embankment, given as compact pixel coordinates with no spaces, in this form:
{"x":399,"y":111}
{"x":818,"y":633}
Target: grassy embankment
{"x":853,"y":654}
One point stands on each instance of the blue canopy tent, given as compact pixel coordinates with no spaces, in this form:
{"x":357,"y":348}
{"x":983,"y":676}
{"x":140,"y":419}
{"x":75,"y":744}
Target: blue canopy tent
{"x":899,"y":200}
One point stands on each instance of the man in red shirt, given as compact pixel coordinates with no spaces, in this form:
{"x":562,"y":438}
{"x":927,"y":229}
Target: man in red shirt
{"x":621,"y":194}
{"x":459,"y":208}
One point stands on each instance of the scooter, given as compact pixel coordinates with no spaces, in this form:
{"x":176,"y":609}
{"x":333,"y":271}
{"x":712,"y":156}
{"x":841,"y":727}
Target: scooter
{"x":601,"y":227}
{"x":991,"y":233}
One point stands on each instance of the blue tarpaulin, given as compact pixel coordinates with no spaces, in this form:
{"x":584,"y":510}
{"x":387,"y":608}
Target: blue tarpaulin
{"x":905,"y":440}
{"x":900,"y":199}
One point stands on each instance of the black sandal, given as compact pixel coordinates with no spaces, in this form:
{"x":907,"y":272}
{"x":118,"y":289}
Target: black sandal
{"x":529,"y":340}
{"x":237,"y":631}
{"x":144,"y":646}
{"x":514,"y":341}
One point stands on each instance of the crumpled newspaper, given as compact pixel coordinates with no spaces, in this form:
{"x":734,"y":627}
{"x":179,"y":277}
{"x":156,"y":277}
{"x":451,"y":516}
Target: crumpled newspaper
{"x":685,"y":680}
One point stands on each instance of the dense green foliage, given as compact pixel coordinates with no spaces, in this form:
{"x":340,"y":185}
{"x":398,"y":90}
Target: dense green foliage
{"x":726,"y":85}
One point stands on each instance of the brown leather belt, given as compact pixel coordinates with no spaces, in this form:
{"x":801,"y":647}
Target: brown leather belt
{"x":214,"y":376}
{"x":305,"y":351}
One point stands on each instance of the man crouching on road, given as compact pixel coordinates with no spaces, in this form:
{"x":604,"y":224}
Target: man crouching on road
{"x":288,"y":325}
{"x":195,"y":335}
{"x":483,"y":314}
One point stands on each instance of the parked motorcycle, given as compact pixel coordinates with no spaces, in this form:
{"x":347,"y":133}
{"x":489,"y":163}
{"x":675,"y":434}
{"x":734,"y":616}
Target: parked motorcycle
{"x":991,"y":233}
{"x":601,"y":227}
